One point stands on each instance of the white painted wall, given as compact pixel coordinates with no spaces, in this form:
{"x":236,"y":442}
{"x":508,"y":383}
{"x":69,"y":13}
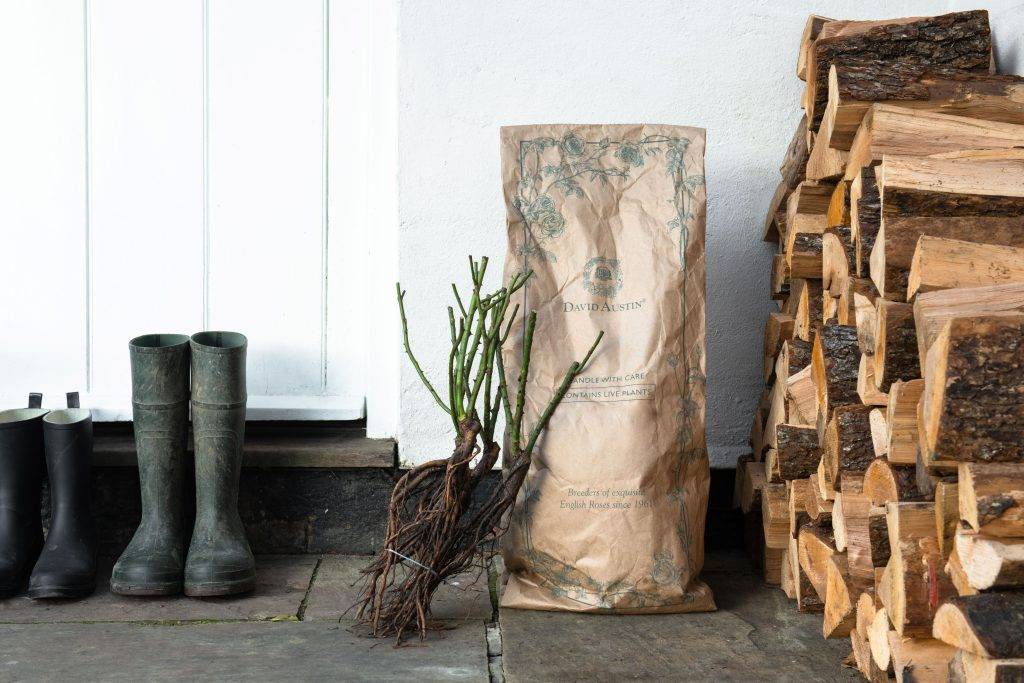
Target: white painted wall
{"x":467,"y":67}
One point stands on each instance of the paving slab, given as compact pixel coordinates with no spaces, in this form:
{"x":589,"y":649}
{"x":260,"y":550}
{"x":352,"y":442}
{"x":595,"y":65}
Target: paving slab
{"x":338,"y":584}
{"x":756,"y":634}
{"x":281,"y":585}
{"x":253,"y":651}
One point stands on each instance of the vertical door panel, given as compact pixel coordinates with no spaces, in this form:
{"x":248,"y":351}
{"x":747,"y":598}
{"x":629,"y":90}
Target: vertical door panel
{"x":146,"y":143}
{"x":43,"y":258}
{"x":265,"y":169}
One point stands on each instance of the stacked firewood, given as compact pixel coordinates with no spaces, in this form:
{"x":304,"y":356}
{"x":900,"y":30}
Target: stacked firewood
{"x":886,"y":485}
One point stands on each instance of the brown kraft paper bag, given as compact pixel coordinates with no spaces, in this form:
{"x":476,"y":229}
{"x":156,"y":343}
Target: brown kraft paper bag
{"x":610,"y":218}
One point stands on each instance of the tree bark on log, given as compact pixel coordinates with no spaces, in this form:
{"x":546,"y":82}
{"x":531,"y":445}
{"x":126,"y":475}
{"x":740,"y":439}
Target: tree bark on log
{"x":988,"y":625}
{"x":972,"y":407}
{"x":855,"y":84}
{"x":835,"y":361}
{"x":848,"y":446}
{"x":895,"y":356}
{"x":960,"y":40}
{"x":865,"y":216}
{"x":991,"y":498}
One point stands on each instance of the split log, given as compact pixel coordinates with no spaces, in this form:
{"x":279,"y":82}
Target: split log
{"x":888,"y":483}
{"x":839,"y":512}
{"x":933,"y":309}
{"x":837,"y":256}
{"x":957,"y":575}
{"x":878,"y":639}
{"x":798,"y":451}
{"x":807,"y":599}
{"x":807,"y":209}
{"x":867,"y":539}
{"x":775,"y":221}
{"x":879,"y":430}
{"x":960,"y":40}
{"x":991,"y":498}
{"x":901,"y":418}
{"x":818,"y":508}
{"x":867,"y":606}
{"x":991,"y":563}
{"x":947,"y":515}
{"x":793,"y":356}
{"x":816,"y":546}
{"x":941,"y":263}
{"x":920,"y":659}
{"x":964,"y":199}
{"x":847,"y":444}
{"x":841,"y":593}
{"x":779,"y":277}
{"x":971,"y":408}
{"x":811,"y":30}
{"x":826,"y":162}
{"x":787,"y":582}
{"x":834,"y":363}
{"x":771,"y":466}
{"x":775,"y":515}
{"x":825,"y":483}
{"x":855,"y":85}
{"x":895,"y":356}
{"x":806,"y":298}
{"x":988,"y":625}
{"x":888,"y":129}
{"x":804,"y":254}
{"x":864,"y":297}
{"x":867,"y":388}
{"x":917,"y":583}
{"x":802,"y":407}
{"x":798,"y":517}
{"x":983,"y":670}
{"x":865,"y":662}
{"x":754,"y":481}
{"x":838,"y":215}
{"x":794,"y":164}
{"x":865,"y":216}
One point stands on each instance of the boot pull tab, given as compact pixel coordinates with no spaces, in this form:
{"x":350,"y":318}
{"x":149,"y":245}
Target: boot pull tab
{"x":35,"y":400}
{"x":73,"y":400}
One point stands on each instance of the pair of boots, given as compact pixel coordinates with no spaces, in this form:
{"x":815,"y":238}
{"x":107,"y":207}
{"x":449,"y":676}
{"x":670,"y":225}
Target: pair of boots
{"x":219,"y":561}
{"x":60,"y":441}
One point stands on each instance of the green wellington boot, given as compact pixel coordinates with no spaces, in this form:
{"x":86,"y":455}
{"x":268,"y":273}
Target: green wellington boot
{"x":219,"y":559}
{"x":154,"y":561}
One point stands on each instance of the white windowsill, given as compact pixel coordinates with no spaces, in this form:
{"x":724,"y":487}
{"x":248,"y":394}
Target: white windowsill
{"x":119,"y":408}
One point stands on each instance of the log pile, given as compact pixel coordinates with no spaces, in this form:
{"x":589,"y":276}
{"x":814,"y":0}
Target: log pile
{"x":885,"y":489}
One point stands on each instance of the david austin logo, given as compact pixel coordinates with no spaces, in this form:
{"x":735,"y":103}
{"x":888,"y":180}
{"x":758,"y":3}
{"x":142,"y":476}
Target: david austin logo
{"x":602,"y":276}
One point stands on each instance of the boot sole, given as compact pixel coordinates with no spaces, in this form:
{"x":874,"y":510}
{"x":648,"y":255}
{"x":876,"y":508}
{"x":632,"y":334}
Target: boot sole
{"x":146,"y":591}
{"x":61,"y":592}
{"x":11,"y":589}
{"x":221,"y":588}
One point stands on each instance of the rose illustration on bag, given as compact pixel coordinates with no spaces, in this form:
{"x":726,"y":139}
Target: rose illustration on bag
{"x":602,"y":277}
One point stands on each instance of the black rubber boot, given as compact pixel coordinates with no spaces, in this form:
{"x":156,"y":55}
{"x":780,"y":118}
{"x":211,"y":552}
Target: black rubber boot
{"x":22,"y":465}
{"x":154,"y":561}
{"x":219,"y":559}
{"x":67,"y":565}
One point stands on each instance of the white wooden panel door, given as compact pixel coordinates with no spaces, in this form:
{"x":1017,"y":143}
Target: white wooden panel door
{"x":146,"y":169}
{"x":266,"y":187}
{"x":43,"y":257}
{"x":350,"y":154}
{"x":169,"y":167}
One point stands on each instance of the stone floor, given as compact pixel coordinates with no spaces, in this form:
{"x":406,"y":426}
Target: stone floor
{"x":295,"y":626}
